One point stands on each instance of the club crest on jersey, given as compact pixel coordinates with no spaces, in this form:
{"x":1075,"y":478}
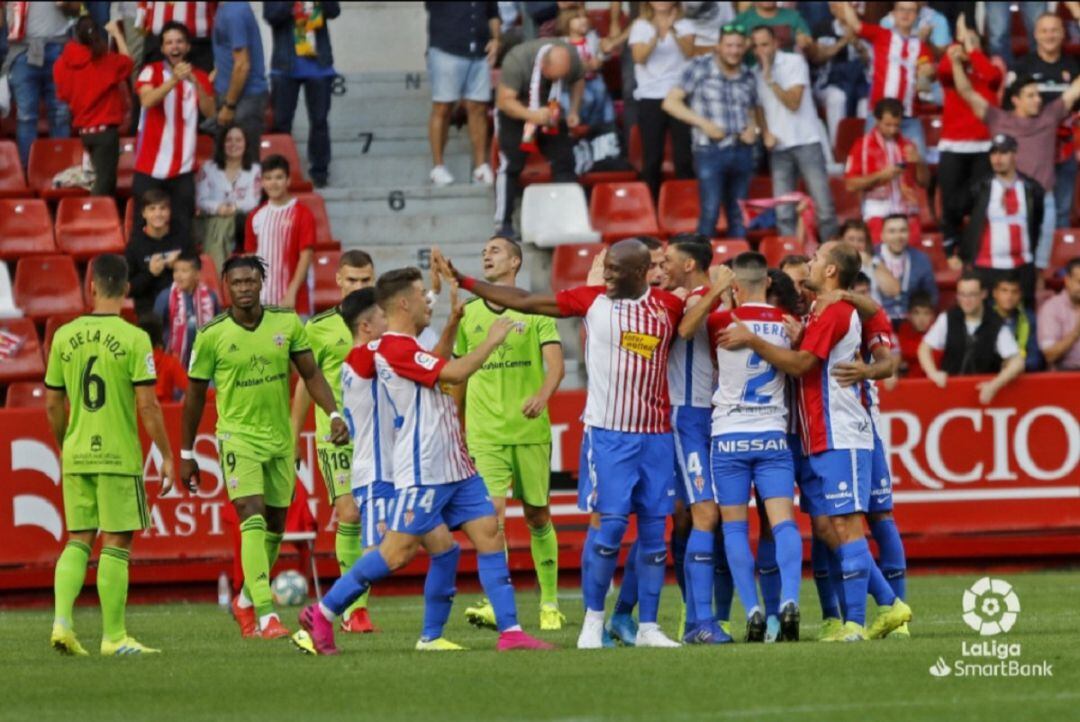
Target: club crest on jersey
{"x":425,"y":360}
{"x":279,"y":339}
{"x":642,"y":344}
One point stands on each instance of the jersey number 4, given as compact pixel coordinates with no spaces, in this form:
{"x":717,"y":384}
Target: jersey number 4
{"x":93,"y":387}
{"x":763,"y":372}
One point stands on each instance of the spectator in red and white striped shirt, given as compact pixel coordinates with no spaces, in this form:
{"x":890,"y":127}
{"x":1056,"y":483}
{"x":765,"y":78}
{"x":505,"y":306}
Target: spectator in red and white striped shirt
{"x":172,"y":94}
{"x":282,"y":232}
{"x":197,"y":17}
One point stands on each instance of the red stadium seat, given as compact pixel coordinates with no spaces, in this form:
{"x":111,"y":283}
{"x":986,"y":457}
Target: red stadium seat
{"x":927,"y":219}
{"x":622,"y":210}
{"x":52,"y":323}
{"x":209,"y":275}
{"x":12,"y":180}
{"x":933,"y":245}
{"x":776,"y":247}
{"x":570,"y":264}
{"x":125,"y":168}
{"x":27,"y":364}
{"x":25,"y":228}
{"x":282,"y":144}
{"x":327,"y":292}
{"x":847,"y":202}
{"x":931,"y":130}
{"x":725,"y":248}
{"x":760,"y":187}
{"x":49,"y":156}
{"x":324,"y":240}
{"x":46,"y":285}
{"x":537,"y":168}
{"x":849,"y":130}
{"x":129,"y":217}
{"x":204,"y":149}
{"x":1066,"y":248}
{"x":87,"y":227}
{"x":25,"y":395}
{"x":679,"y":208}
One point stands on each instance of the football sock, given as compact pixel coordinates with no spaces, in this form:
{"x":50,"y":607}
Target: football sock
{"x":652,"y":564}
{"x":439,"y":590}
{"x":605,"y":557}
{"x":369,"y":569}
{"x":112,"y":586}
{"x":836,"y":577}
{"x":678,"y":556}
{"x":879,"y":589}
{"x":741,"y":561}
{"x":699,"y":576}
{"x":819,"y":561}
{"x":545,"y":553}
{"x":892,"y":559}
{"x":723,"y":583}
{"x":273,"y":548}
{"x":855,"y":563}
{"x":628,"y":590}
{"x":586,"y":555}
{"x":68,"y":579}
{"x":347,"y":549}
{"x":495,"y":579}
{"x":788,"y":546}
{"x":768,"y":575}
{"x":254,"y":562}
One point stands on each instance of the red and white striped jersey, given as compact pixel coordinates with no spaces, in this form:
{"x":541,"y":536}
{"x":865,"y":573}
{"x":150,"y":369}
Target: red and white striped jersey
{"x":627,"y":341}
{"x":751,"y":394}
{"x":166,"y":143}
{"x":1005,"y":242}
{"x":198,"y":17}
{"x":877,"y":331}
{"x":691,"y":372}
{"x":896,"y":60}
{"x":831,"y":416}
{"x":370,"y":416}
{"x":428,"y":445}
{"x":278,"y":234}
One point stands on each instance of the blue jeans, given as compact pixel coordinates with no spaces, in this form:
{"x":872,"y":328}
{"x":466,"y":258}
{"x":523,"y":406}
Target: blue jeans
{"x":910,"y":128}
{"x":28,"y":86}
{"x":286,"y":92}
{"x":596,"y":106}
{"x":1064,"y":187}
{"x":1045,"y":247}
{"x":723,"y":178}
{"x":998,"y":30}
{"x":807,"y":161}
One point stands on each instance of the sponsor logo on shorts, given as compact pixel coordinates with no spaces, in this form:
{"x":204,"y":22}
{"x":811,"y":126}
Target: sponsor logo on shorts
{"x":409,"y":516}
{"x":699,"y":484}
{"x":735,"y":446}
{"x":842,"y":492}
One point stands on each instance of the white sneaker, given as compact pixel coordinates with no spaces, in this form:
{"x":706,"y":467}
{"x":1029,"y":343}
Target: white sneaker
{"x":650,"y":635}
{"x":440,"y":176}
{"x":482,"y":175}
{"x":592,"y":633}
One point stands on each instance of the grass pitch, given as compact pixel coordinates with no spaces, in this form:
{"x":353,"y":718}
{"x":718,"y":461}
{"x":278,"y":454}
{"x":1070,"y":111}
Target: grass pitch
{"x":208,"y":673}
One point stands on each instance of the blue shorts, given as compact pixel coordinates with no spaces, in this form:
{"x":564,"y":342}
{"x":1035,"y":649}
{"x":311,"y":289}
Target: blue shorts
{"x":622,"y":473}
{"x":880,"y":479}
{"x":693,"y":472}
{"x":455,"y":78}
{"x":838,"y":482}
{"x":761,"y":458}
{"x":802,"y":469}
{"x":376,"y":502}
{"x":419,"y":509}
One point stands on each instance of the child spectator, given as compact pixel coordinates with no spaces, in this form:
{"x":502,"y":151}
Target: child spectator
{"x":921,"y":315}
{"x":282,"y":232}
{"x":596,"y":106}
{"x":1008,"y":302}
{"x":227,"y":188}
{"x":172,"y":380}
{"x":185,"y":306}
{"x":153,"y":249}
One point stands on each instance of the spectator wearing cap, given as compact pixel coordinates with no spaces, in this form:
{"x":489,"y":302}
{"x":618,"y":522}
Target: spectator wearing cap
{"x":900,"y":270}
{"x":885,"y":168}
{"x":1006,"y":217}
{"x":1019,"y":318}
{"x":1035,"y":129}
{"x":974,"y":341}
{"x":1059,"y":323}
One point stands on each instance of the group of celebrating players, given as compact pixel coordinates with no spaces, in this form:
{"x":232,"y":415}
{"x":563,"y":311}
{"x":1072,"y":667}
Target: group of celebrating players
{"x":704,"y":385}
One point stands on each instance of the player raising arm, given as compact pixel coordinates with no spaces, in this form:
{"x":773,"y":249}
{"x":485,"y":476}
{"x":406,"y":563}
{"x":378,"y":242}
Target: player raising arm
{"x":105,"y":367}
{"x":246,"y":352}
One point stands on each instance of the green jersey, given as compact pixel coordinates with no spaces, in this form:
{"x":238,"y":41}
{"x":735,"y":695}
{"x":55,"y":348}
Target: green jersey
{"x":250,"y":369}
{"x":98,"y":360}
{"x":513,"y":373}
{"x":330,"y":342}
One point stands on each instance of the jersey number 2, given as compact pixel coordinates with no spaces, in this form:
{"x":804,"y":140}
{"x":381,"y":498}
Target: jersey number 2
{"x":763,"y":373}
{"x":93,"y":387}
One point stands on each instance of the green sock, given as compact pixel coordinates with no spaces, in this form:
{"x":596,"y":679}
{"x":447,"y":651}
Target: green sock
{"x":348,"y":549}
{"x":112,"y":586}
{"x":273,"y":548}
{"x":68,"y":579}
{"x":253,"y":560}
{"x":545,"y":554}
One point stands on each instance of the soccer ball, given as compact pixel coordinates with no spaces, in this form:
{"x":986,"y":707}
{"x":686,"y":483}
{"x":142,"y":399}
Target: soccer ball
{"x":290,"y":589}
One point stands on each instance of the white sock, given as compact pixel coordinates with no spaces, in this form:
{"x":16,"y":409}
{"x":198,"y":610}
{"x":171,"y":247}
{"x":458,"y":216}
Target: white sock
{"x":594,"y":616}
{"x":326,"y":612}
{"x":647,"y":627}
{"x":243,"y":601}
{"x":265,"y":619}
{"x":515,"y":628}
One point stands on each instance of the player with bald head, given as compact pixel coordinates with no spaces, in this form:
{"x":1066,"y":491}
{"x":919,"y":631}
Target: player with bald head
{"x":628,"y":446}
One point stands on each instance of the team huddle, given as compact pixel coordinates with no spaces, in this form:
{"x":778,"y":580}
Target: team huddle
{"x":714,"y":389}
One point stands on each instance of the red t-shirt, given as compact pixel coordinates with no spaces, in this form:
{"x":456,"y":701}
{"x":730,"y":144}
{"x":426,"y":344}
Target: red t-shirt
{"x":278,"y":234}
{"x":91,"y":88}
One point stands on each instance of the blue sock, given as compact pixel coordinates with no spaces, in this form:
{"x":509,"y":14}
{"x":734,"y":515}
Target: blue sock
{"x":678,"y":556}
{"x":439,"y":590}
{"x":652,"y":565}
{"x":879,"y":589}
{"x":768,"y":575}
{"x":855,"y":563}
{"x":628,"y":590}
{"x":723,"y":584}
{"x":495,"y":579}
{"x":605,"y":558}
{"x":892,"y":559}
{"x":367,"y":570}
{"x":788,"y":559}
{"x":586,"y":554}
{"x":819,"y":561}
{"x":700,"y":566}
{"x":741,"y":562}
{"x":836,"y":577}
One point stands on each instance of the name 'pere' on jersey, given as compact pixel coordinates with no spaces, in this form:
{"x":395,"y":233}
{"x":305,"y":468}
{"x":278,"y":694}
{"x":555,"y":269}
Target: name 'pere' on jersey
{"x":370,"y":415}
{"x":750,"y":392}
{"x":691,"y":374}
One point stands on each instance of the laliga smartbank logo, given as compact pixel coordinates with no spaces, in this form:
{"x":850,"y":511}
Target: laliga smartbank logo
{"x":990,"y":607}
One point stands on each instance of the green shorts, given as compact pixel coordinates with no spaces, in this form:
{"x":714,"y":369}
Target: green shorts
{"x":109,"y":502}
{"x":526,"y":468}
{"x":335,"y":465}
{"x":274,"y":479}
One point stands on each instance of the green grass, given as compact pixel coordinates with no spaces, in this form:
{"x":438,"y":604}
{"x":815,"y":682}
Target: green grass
{"x":208,"y":673}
